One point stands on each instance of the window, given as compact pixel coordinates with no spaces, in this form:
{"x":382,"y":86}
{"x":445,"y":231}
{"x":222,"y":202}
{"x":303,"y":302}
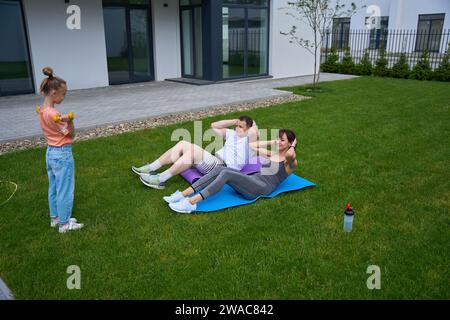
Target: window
{"x":341,"y":33}
{"x":128,"y":40}
{"x":125,"y":2}
{"x":378,"y":35}
{"x":245,"y":35}
{"x":15,"y":70}
{"x":429,"y":32}
{"x":191,"y":39}
{"x":247,"y":2}
{"x":190,"y":2}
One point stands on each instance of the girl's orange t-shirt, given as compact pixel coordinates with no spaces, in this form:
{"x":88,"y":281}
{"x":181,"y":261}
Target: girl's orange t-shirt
{"x":57,"y":133}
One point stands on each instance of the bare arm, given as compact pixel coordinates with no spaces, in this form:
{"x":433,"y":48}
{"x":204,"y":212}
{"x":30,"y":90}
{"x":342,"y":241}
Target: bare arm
{"x":253,"y":133}
{"x":258,"y":146}
{"x":71,"y":128}
{"x":220,"y":126}
{"x":291,"y":156}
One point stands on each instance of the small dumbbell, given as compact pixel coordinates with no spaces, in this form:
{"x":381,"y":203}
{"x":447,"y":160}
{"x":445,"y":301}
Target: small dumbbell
{"x":38,"y":109}
{"x":69,"y":117}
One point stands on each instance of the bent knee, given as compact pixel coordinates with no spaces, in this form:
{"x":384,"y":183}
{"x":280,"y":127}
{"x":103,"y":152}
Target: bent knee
{"x":184,"y":143}
{"x":217,"y":170}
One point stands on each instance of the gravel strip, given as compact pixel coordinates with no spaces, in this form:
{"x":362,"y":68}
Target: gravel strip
{"x":153,"y":122}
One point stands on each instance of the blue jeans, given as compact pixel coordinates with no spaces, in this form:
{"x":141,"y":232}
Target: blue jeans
{"x":61,"y":178}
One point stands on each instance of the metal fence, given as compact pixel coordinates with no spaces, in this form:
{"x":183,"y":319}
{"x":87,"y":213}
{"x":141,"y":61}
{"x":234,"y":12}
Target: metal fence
{"x":394,"y":42}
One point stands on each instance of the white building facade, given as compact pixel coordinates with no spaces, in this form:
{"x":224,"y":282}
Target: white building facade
{"x":398,"y":25}
{"x":402,"y":14}
{"x":97,"y":43}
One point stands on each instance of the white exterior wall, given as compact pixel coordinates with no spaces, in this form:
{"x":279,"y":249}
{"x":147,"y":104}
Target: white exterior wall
{"x":166,"y":39}
{"x":403,"y":14}
{"x":288,"y":59}
{"x":77,"y":56}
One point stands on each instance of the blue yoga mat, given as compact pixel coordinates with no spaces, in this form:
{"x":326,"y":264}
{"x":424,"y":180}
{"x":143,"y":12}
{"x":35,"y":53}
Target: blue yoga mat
{"x":228,"y":197}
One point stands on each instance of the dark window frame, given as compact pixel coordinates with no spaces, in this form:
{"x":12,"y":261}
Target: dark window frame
{"x":339,"y":43}
{"x":427,"y":46}
{"x":127,"y":7}
{"x":246,"y":7}
{"x":191,"y":22}
{"x":380,"y":34}
{"x":29,"y":64}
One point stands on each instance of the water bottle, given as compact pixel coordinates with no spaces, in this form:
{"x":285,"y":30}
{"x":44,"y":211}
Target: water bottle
{"x":348,"y":218}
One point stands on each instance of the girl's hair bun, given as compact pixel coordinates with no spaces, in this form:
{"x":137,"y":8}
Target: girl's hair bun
{"x":51,"y":82}
{"x":48,"y":72}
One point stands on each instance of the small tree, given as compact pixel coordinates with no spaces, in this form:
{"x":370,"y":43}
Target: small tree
{"x":347,"y":66}
{"x":364,"y":67}
{"x":422,"y":70}
{"x":331,"y":65}
{"x":442,"y":73}
{"x":318,"y":15}
{"x":401,"y":68}
{"x":381,"y":65}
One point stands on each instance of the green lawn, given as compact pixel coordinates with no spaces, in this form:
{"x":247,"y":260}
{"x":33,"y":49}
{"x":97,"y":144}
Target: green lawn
{"x":13,"y":70}
{"x":381,"y":144}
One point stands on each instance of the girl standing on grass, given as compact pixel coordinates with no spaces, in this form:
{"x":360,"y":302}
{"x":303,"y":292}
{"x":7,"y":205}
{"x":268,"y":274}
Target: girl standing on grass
{"x":59,"y":159}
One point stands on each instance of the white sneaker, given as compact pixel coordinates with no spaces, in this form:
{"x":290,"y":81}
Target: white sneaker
{"x":69,"y":226}
{"x":54,"y":222}
{"x":174,"y":197}
{"x":183,"y":206}
{"x":152,"y":181}
{"x":143,"y":170}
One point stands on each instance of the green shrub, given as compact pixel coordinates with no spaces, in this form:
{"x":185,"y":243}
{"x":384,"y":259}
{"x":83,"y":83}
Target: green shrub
{"x":331,"y":65}
{"x":401,"y":68}
{"x":381,"y":66}
{"x":364,"y":67}
{"x":442,"y":73}
{"x":422,"y":70}
{"x":347,"y":66}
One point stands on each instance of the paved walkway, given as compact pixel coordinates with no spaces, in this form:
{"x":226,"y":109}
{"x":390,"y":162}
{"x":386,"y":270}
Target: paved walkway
{"x":5,"y":293}
{"x":114,"y":104}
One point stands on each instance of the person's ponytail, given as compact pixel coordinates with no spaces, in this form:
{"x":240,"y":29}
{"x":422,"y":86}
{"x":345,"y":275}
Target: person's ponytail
{"x":51,"y":82}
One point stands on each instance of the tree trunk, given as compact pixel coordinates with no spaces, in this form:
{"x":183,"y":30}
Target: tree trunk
{"x":315,"y":59}
{"x":315,"y":69}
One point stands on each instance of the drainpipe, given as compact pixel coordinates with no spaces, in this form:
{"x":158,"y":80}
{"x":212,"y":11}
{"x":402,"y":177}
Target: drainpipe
{"x":399,"y":13}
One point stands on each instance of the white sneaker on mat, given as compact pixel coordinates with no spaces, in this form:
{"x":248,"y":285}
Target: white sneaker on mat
{"x":69,"y":226}
{"x":183,"y":206}
{"x":174,"y":197}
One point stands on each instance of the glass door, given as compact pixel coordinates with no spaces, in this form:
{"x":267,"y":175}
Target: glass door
{"x":245,"y":36}
{"x":116,"y":37}
{"x":257,"y":48}
{"x":191,"y":41}
{"x":128,"y":43}
{"x":15,"y":70}
{"x":234,"y":42}
{"x":141,"y":68}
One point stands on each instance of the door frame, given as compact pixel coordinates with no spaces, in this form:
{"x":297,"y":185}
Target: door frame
{"x":194,"y":42}
{"x":129,"y":7}
{"x":29,"y":64}
{"x":246,"y":75}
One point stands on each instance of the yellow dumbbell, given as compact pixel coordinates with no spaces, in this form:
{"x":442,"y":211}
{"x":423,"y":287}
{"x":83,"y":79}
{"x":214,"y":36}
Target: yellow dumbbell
{"x":38,"y":109}
{"x":68,"y":117}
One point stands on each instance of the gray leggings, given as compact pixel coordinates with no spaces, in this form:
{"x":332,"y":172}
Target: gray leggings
{"x":250,"y":187}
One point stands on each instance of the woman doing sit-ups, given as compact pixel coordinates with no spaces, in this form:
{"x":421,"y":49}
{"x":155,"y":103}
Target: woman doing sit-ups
{"x":276,"y":167}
